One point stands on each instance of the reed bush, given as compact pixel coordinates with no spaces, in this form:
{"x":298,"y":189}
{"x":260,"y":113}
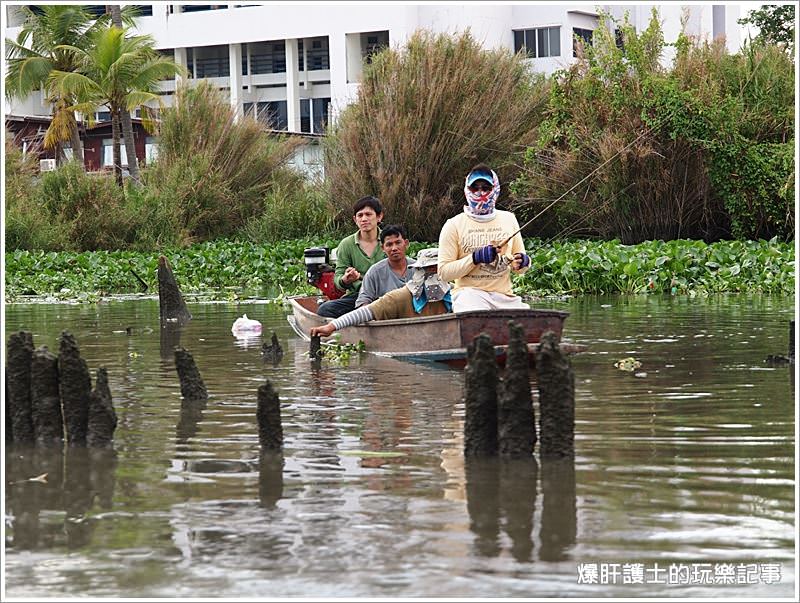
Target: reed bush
{"x":643,"y":152}
{"x":26,"y":225}
{"x":213,"y":169}
{"x":425,"y":114}
{"x":293,"y":209}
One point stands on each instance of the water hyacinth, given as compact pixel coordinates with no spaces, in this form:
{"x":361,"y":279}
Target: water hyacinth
{"x":229,"y":269}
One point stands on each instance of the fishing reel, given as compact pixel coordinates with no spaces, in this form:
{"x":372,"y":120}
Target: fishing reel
{"x":320,"y":271}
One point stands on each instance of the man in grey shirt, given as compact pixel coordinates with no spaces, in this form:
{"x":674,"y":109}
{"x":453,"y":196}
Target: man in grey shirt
{"x":390,"y":273}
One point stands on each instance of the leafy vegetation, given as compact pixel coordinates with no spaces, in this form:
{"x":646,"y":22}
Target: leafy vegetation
{"x":227,"y":269}
{"x":702,"y":150}
{"x":424,"y":116}
{"x":676,"y":267}
{"x":775,"y":24}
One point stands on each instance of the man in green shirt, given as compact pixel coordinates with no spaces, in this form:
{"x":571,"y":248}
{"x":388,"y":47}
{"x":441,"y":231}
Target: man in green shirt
{"x":354,"y":255}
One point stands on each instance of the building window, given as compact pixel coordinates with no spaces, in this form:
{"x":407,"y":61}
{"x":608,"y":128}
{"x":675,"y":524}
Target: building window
{"x":108,"y":152}
{"x":273,"y":114}
{"x":150,"y":149}
{"x":372,"y":43}
{"x":538,"y":43}
{"x":320,"y":114}
{"x":265,"y":57}
{"x":209,"y":61}
{"x":316,"y":55}
{"x":143,"y":10}
{"x":581,"y":34}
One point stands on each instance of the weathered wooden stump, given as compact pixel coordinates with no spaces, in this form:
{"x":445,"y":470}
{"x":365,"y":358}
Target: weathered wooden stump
{"x":75,"y":386}
{"x":270,"y":478}
{"x":169,"y":340}
{"x":780,"y":359}
{"x":272,"y":352}
{"x":268,"y":415}
{"x":192,"y":386}
{"x":191,"y":414}
{"x":482,"y":475}
{"x":315,"y":348}
{"x":516,"y":422}
{"x":518,"y":479}
{"x":7,"y":411}
{"x":480,"y":398}
{"x":171,"y":306}
{"x":559,"y":510}
{"x":48,"y":422}
{"x":102,"y":475}
{"x":556,"y":400}
{"x":78,"y":496}
{"x":102,"y":418}
{"x":18,"y":380}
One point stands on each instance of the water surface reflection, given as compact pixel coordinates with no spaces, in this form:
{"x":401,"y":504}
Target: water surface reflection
{"x":693,"y":462}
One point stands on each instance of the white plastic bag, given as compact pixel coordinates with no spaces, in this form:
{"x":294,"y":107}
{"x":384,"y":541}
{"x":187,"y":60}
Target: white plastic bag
{"x":246,"y":327}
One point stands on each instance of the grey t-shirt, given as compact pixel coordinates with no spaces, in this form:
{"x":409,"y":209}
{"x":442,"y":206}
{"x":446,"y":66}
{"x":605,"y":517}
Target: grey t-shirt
{"x":380,"y":279}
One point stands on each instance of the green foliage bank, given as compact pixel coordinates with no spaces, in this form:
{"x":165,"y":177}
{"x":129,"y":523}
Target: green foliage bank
{"x":230,"y":270}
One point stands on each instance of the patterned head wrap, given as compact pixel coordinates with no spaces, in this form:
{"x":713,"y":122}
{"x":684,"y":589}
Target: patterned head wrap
{"x":479,"y":203}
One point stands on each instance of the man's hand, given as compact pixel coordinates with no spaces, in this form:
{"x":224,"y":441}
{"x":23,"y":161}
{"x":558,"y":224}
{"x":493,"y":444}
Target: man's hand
{"x":484,"y":255}
{"x":323,"y":331}
{"x":520,"y":261}
{"x":350,"y":275}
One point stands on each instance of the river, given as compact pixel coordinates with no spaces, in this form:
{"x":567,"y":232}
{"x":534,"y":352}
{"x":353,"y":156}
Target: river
{"x":683,"y":483}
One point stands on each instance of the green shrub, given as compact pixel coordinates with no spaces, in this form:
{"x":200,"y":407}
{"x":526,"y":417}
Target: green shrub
{"x":26,"y":225}
{"x":213,"y":169}
{"x":641,"y":152}
{"x":91,"y":207}
{"x":293,"y":209}
{"x":424,"y":116}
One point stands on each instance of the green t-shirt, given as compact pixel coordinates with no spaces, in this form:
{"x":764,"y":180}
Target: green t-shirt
{"x":348,"y":253}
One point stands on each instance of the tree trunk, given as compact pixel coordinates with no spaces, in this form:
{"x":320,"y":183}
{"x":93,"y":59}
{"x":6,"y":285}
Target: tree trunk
{"x":77,"y":146}
{"x":130,"y":147}
{"x":124,"y":114}
{"x":116,"y":152}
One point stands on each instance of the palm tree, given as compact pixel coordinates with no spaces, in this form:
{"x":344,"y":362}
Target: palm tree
{"x":119,"y":72}
{"x":38,"y":51}
{"x":125,"y":116}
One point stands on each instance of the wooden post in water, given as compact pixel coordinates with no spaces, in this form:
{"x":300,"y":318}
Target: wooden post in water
{"x":480,"y":398}
{"x":556,"y":400}
{"x":516,"y":424}
{"x":18,"y":380}
{"x":102,"y":418}
{"x":75,"y":385}
{"x":171,"y":306}
{"x":192,"y":386}
{"x":48,"y":421}
{"x":268,"y":415}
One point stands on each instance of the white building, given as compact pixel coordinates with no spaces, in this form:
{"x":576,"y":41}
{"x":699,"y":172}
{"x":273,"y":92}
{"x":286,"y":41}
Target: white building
{"x":300,"y":64}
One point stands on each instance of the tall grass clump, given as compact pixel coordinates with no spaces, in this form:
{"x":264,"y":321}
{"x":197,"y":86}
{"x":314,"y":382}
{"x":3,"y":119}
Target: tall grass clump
{"x":66,"y":209}
{"x":697,"y":150}
{"x":26,"y":225}
{"x":425,"y":114}
{"x":214,"y":170}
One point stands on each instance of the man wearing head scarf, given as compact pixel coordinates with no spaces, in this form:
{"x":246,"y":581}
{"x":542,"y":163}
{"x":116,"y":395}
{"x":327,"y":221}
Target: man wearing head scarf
{"x":424,"y":295}
{"x":468,"y":255}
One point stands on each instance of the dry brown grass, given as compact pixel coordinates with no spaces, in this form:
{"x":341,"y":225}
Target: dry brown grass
{"x":424,"y":116}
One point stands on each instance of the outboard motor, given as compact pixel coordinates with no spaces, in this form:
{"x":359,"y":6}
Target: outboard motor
{"x":319,"y":271}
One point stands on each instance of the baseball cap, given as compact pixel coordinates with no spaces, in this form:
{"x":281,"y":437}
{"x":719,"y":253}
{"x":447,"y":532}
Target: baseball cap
{"x":480,"y":174}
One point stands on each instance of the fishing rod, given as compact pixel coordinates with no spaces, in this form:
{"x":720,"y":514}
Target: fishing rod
{"x":499,"y":246}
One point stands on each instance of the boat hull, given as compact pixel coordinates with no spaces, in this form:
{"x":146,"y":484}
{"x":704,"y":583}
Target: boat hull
{"x":442,"y":338}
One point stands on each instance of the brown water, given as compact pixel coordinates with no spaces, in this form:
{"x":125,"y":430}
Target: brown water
{"x":690,"y":466}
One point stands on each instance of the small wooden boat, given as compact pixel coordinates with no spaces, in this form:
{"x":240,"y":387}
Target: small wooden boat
{"x":442,"y":338}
